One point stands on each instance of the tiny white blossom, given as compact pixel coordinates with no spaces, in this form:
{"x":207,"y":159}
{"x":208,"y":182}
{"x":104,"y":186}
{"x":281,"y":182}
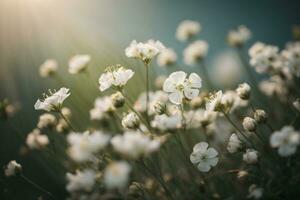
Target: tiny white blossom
{"x":255,"y":192}
{"x":154,"y":97}
{"x":134,"y":144}
{"x":46,"y":121}
{"x":286,"y":140}
{"x":84,"y":145}
{"x":102,"y":106}
{"x":81,"y":180}
{"x":187,"y":29}
{"x":251,"y":156}
{"x":35,"y":140}
{"x":249,"y":124}
{"x":239,"y":37}
{"x":115,"y":76}
{"x":131,"y":121}
{"x":204,"y":157}
{"x":78,"y":63}
{"x":195,"y":52}
{"x":144,"y":51}
{"x":244,"y":91}
{"x":179,"y":86}
{"x":54,"y":101}
{"x":12,"y":168}
{"x":291,"y":56}
{"x":166,"y":58}
{"x":116,"y":175}
{"x":48,"y":68}
{"x":234,"y":143}
{"x":167,"y":123}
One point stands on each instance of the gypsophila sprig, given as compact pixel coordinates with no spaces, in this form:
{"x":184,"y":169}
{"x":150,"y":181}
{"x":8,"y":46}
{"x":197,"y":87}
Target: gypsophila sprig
{"x":116,"y":175}
{"x":180,"y":87}
{"x":48,"y":68}
{"x":81,"y":180}
{"x":53,"y":101}
{"x":12,"y":168}
{"x":238,"y":37}
{"x":79,"y":63}
{"x":187,"y":29}
{"x":195,"y":52}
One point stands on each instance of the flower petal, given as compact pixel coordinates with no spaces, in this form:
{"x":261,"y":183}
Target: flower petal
{"x":204,"y":166}
{"x":169,"y":86}
{"x":191,"y":93}
{"x":211,"y":152}
{"x":176,"y":97}
{"x":202,"y":146}
{"x":195,"y":80}
{"x":178,"y":77}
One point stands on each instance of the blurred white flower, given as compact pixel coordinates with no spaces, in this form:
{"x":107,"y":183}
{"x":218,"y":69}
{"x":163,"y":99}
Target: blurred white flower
{"x":255,"y":192}
{"x":204,"y":157}
{"x":234,"y":143}
{"x":48,"y":68}
{"x":167,"y":57}
{"x":78,"y":63}
{"x":167,"y":123}
{"x":291,"y":57}
{"x":195,"y":52}
{"x":134,"y":144}
{"x":274,"y":86}
{"x":66,"y":112}
{"x":265,"y":58}
{"x":199,"y":118}
{"x":84,"y":145}
{"x":154,"y":97}
{"x":144,"y":51}
{"x":187,"y":29}
{"x":35,"y":140}
{"x":116,"y":175}
{"x":102,"y":106}
{"x":251,"y":156}
{"x":12,"y":168}
{"x":159,"y":81}
{"x":286,"y":140}
{"x":46,"y":121}
{"x":214,"y":102}
{"x":62,"y":126}
{"x":179,"y":86}
{"x":81,"y":180}
{"x":249,"y":124}
{"x":54,"y":101}
{"x":131,"y":121}
{"x":296,"y":104}
{"x":238,"y":37}
{"x":115,"y":76}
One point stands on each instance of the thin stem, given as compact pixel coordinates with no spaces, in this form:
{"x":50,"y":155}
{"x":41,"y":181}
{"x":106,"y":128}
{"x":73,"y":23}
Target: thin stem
{"x":147,"y":92}
{"x":67,"y":121}
{"x":37,"y":186}
{"x":183,"y":120}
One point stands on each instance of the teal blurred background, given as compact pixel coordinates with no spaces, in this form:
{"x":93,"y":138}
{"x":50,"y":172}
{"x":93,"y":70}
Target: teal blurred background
{"x":32,"y":31}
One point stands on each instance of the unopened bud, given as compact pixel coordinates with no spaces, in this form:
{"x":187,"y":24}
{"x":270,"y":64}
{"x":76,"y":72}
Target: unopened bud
{"x":131,"y":121}
{"x":118,"y":99}
{"x":160,"y":108}
{"x":244,"y":91}
{"x":260,"y":116}
{"x":249,"y":124}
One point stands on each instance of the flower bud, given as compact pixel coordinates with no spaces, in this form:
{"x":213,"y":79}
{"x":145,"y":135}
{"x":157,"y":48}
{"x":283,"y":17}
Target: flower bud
{"x":160,"y":108}
{"x":244,"y":91}
{"x":197,"y":102}
{"x":131,"y":121}
{"x":260,"y":116}
{"x":251,"y":156}
{"x":249,"y":124}
{"x":118,"y":99}
{"x":12,"y":168}
{"x":242,"y":174}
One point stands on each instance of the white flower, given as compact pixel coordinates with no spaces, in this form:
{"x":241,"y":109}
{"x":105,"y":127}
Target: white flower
{"x":116,"y":175}
{"x":214,"y":102}
{"x":46,"y":121}
{"x":244,"y":91}
{"x":144,"y":51}
{"x":35,"y":140}
{"x":204,"y":157}
{"x":251,"y":156}
{"x":48,"y":68}
{"x":115,"y":76}
{"x":195,"y":52}
{"x":78,"y":63}
{"x":255,"y":192}
{"x":264,"y":58}
{"x":66,"y":112}
{"x":131,"y":121}
{"x":81,"y":180}
{"x":159,"y":81}
{"x":62,"y":126}
{"x":102,"y":106}
{"x":234,"y":143}
{"x":54,"y":101}
{"x":296,"y":104}
{"x":199,"y":117}
{"x":179,"y":86}
{"x":286,"y":140}
{"x":187,"y":29}
{"x":239,"y":37}
{"x":167,"y":123}
{"x":84,"y":145}
{"x":166,"y":57}
{"x":291,"y":56}
{"x":274,"y":87}
{"x":12,"y":168}
{"x":154,"y":97}
{"x":134,"y":144}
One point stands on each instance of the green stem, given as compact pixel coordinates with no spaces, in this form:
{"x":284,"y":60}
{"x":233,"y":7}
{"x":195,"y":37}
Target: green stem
{"x":67,"y":121}
{"x":147,"y":92}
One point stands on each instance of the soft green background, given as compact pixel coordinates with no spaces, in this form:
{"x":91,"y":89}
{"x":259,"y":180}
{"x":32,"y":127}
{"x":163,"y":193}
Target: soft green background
{"x":34,"y":30}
